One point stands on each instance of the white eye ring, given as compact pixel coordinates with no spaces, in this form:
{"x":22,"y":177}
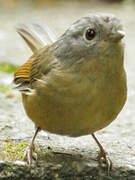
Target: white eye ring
{"x":89,"y":34}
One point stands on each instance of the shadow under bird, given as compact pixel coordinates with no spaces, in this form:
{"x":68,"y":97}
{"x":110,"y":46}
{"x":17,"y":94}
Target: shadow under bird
{"x":76,"y":84}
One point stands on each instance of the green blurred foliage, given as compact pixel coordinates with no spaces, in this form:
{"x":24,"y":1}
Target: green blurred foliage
{"x":8,"y":68}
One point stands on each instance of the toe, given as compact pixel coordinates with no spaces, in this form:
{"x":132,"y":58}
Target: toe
{"x":30,"y":155}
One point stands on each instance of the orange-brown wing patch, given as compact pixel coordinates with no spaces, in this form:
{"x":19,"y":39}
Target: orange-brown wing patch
{"x":23,"y":73}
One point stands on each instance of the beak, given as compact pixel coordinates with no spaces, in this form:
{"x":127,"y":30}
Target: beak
{"x":117,"y":35}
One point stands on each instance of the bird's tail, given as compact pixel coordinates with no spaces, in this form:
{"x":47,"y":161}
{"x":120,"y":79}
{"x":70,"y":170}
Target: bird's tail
{"x":36,"y":36}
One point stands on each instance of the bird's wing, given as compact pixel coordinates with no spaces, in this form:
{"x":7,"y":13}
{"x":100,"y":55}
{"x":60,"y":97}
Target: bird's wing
{"x":36,"y":36}
{"x":33,"y":69}
{"x":22,"y":76}
{"x":23,"y":73}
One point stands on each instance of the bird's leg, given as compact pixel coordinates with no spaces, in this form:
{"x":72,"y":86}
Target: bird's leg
{"x":103,"y":154}
{"x":29,"y":154}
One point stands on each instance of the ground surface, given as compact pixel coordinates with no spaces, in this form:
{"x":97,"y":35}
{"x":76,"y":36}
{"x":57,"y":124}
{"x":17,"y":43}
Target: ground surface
{"x":16,"y":129}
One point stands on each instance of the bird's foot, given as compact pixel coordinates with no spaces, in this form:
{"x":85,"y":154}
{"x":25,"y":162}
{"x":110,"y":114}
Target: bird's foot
{"x":29,"y":154}
{"x":104,"y":159}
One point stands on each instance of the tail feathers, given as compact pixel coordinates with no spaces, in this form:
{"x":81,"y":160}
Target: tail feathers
{"x":36,"y":36}
{"x":47,"y":33}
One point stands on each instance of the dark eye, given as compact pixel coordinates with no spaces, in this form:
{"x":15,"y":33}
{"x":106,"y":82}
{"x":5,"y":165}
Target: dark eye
{"x":90,"y":34}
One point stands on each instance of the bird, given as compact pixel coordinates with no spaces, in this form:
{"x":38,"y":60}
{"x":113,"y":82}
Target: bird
{"x":74,"y":85}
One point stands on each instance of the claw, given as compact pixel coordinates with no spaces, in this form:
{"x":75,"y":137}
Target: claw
{"x":102,"y":157}
{"x":29,"y":154}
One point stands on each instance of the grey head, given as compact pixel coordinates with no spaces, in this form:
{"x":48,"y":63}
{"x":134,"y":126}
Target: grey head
{"x":90,"y":37}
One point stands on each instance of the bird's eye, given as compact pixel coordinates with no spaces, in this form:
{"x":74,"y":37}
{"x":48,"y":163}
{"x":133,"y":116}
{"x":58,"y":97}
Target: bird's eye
{"x":90,"y":34}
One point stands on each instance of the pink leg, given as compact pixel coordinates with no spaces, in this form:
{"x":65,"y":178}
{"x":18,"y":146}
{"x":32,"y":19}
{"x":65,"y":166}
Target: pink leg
{"x":29,"y":153}
{"x":103,"y":154}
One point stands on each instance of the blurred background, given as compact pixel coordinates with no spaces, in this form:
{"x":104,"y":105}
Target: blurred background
{"x":59,"y":15}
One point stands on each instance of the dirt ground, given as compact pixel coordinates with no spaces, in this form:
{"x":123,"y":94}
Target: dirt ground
{"x":15,"y":127}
